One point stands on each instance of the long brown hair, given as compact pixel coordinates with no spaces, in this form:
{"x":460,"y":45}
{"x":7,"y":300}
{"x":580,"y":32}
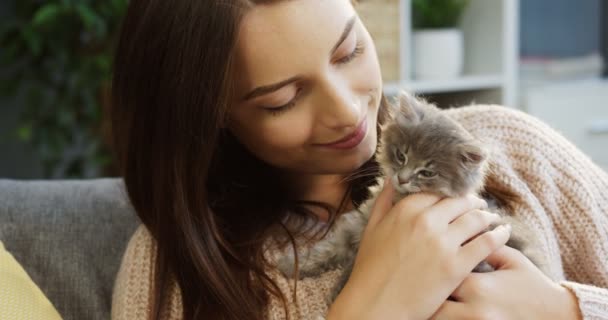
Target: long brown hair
{"x":209,"y":204}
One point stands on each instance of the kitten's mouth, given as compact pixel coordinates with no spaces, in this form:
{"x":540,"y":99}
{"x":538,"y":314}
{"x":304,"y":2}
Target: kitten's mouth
{"x":404,"y":188}
{"x":407,"y":189}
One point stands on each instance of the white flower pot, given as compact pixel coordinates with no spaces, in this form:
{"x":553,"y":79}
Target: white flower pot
{"x":437,"y":53}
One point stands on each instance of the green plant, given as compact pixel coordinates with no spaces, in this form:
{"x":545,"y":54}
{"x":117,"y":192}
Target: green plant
{"x":436,"y":14}
{"x":56,"y":61}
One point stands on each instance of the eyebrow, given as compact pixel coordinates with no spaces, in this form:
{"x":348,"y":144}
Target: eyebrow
{"x":260,"y":91}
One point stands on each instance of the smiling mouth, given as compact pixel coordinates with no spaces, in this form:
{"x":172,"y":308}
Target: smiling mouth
{"x":350,"y":140}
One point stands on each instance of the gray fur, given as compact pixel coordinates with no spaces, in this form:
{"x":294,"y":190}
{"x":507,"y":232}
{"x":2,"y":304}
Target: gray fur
{"x":427,"y":140}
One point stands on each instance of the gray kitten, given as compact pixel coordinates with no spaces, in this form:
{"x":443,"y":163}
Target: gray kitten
{"x":421,"y":150}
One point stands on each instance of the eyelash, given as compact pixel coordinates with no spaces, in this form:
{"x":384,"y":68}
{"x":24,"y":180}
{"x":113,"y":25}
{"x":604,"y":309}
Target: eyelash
{"x":275,"y":111}
{"x":358,"y":50}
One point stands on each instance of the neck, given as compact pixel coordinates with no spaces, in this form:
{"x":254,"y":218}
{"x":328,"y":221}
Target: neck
{"x":329,"y":189}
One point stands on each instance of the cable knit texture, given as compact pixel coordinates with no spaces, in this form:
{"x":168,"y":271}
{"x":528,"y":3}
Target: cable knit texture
{"x":562,"y":195}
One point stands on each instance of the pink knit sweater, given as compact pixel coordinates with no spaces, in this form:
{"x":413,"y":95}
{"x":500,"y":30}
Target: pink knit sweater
{"x":563,"y":195}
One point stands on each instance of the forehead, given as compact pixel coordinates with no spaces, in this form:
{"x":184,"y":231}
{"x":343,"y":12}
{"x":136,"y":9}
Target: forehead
{"x":285,"y":38}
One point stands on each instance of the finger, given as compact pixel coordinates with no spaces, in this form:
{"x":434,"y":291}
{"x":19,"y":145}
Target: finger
{"x":480,"y":248}
{"x":383,"y":204}
{"x":416,"y":203}
{"x":452,"y":310}
{"x":464,"y":291}
{"x":449,"y":209}
{"x":505,"y":257}
{"x":470,"y":224}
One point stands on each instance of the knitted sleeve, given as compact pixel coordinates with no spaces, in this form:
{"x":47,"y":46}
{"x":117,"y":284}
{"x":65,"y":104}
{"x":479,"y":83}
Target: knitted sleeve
{"x":563,"y":195}
{"x":131,"y":297}
{"x":132,"y":288}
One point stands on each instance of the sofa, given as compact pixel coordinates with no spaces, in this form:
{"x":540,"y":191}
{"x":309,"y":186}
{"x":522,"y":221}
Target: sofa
{"x":69,"y":236}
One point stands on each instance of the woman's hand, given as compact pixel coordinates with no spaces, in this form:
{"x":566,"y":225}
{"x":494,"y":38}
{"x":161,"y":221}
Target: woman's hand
{"x":516,"y":290}
{"x":412,"y":257}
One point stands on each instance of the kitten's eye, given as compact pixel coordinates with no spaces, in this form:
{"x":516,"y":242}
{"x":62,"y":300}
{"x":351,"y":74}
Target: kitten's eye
{"x":427,"y":173}
{"x":400,"y":156}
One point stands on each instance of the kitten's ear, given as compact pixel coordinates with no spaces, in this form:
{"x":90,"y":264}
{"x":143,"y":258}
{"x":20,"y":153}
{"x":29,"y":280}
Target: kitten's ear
{"x":392,"y":108}
{"x":472,"y":154}
{"x":410,"y":109}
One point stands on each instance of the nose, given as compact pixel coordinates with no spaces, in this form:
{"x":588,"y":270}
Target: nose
{"x":339,"y":106}
{"x":403,"y":179}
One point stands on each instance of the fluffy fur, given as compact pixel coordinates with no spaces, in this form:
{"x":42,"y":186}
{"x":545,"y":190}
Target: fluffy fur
{"x":421,"y":150}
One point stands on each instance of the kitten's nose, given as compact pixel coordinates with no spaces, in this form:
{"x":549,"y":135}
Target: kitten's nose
{"x":403,"y":180}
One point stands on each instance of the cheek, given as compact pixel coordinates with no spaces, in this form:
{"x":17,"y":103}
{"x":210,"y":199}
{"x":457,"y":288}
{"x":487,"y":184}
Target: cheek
{"x":438,"y":183}
{"x":396,"y":169}
{"x":389,"y":171}
{"x":369,"y":68}
{"x":284,"y":135}
{"x":427,"y":183}
{"x":367,"y":82}
{"x":364,"y":71}
{"x":275,"y":139}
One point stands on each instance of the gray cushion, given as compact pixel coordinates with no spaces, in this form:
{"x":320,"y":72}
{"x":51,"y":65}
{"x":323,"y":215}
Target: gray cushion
{"x":69,"y":235}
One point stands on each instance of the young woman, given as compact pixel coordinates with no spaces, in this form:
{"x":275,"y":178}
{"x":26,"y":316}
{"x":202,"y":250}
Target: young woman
{"x":229,"y":121}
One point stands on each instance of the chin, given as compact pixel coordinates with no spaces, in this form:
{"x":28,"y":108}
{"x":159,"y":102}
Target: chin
{"x":348,"y":164}
{"x":371,"y":143}
{"x":364,"y":155}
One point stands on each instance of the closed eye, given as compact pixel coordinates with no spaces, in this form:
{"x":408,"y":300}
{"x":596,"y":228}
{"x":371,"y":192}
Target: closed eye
{"x":401,"y":157}
{"x":427,"y":173}
{"x":359,"y":49}
{"x":275,"y":111}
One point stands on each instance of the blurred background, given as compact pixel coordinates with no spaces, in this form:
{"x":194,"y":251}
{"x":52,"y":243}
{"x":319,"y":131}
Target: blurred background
{"x":544,"y":57}
{"x":55,"y":69}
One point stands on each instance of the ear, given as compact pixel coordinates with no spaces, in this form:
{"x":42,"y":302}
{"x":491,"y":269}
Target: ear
{"x":410,"y":110}
{"x":472,"y":154}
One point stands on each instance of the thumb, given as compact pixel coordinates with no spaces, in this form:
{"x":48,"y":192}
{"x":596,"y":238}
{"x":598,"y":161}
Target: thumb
{"x":505,"y":257}
{"x":383,"y":203}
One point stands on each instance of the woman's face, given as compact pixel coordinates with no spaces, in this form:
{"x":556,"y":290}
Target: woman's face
{"x":306,"y":75}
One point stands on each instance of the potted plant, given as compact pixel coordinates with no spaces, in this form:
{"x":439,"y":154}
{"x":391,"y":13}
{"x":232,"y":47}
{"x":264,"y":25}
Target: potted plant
{"x":437,"y":41}
{"x":56,"y":59}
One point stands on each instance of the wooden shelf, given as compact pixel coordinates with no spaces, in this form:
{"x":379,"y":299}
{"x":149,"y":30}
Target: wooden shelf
{"x":464,"y":83}
{"x":490,"y":30}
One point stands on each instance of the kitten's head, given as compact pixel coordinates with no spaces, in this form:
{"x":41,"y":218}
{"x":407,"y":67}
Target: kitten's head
{"x":424,"y":150}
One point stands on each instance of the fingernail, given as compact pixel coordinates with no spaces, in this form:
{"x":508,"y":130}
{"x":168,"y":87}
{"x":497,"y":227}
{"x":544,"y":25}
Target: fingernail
{"x":505,"y":227}
{"x":484,"y":204}
{"x":386,"y":183}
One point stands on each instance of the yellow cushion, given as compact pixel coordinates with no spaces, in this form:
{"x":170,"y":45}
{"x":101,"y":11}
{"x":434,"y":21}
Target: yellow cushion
{"x":20,"y":298}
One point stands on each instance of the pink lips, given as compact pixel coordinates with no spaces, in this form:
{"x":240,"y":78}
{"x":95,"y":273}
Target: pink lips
{"x":351,"y":140}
